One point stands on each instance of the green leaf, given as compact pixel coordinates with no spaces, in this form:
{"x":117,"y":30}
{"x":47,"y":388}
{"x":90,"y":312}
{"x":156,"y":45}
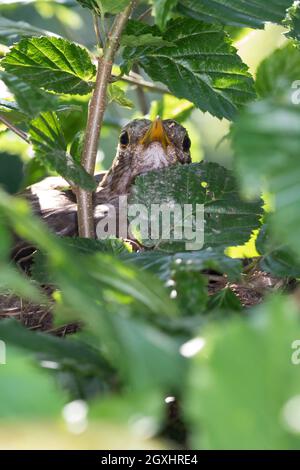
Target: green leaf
{"x":292,"y":22}
{"x":116,"y":94}
{"x":244,"y":374}
{"x":143,"y":40}
{"x":190,"y":290}
{"x":27,"y":391}
{"x":39,"y":269}
{"x":157,"y":363}
{"x":276,"y":74}
{"x":229,"y":220}
{"x":105,"y":294}
{"x":11,"y":172}
{"x":101,"y":269}
{"x":12,"y":280}
{"x":10,"y":31}
{"x":89,"y":246}
{"x":11,"y":110}
{"x":252,"y":13}
{"x":131,"y":341}
{"x":163,"y":10}
{"x":201,"y":66}
{"x":165,"y":266}
{"x":68,"y":353}
{"x":51,"y":63}
{"x":50,"y":147}
{"x":77,"y":145}
{"x":5,"y":241}
{"x":266,"y":142}
{"x":31,"y":100}
{"x":105,"y":6}
{"x":34,"y":171}
{"x":276,"y":258}
{"x":226,"y":300}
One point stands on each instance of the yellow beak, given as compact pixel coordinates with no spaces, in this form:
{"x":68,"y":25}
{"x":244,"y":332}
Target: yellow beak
{"x":156,"y":133}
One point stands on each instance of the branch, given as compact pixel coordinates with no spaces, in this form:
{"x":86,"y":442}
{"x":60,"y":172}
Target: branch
{"x":14,"y":129}
{"x":141,"y":96}
{"x":97,"y":31}
{"x":95,"y":118}
{"x":137,"y":80}
{"x":145,"y":14}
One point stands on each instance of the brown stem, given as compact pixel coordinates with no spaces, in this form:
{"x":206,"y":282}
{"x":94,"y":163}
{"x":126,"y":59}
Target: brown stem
{"x":95,"y":118}
{"x":14,"y":129}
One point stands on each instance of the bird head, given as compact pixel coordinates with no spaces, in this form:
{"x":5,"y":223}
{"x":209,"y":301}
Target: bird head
{"x":153,"y":145}
{"x":146,"y":145}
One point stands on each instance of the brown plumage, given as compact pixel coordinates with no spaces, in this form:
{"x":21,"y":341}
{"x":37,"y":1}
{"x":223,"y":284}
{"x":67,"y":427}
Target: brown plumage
{"x":143,"y":146}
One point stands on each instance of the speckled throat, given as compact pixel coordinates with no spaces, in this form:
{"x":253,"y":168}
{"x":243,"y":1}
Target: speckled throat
{"x":148,"y":146}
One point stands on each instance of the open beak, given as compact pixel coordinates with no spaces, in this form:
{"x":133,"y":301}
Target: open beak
{"x":156,"y":133}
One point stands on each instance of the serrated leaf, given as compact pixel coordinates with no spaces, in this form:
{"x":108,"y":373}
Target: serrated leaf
{"x":50,"y":147}
{"x":202,"y":66}
{"x":252,"y":13}
{"x":31,"y":100}
{"x":162,"y":11}
{"x":225,"y":300}
{"x":185,"y":277}
{"x":117,"y":95}
{"x":276,"y":74}
{"x":292,"y":21}
{"x":166,"y":265}
{"x":266,"y":142}
{"x":51,"y":63}
{"x":10,"y":30}
{"x":229,"y":220}
{"x":276,"y":258}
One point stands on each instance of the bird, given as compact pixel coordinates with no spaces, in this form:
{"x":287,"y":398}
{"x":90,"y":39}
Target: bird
{"x":143,"y":146}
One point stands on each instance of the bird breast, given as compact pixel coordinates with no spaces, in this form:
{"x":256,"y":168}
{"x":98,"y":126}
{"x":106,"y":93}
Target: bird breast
{"x":153,"y":157}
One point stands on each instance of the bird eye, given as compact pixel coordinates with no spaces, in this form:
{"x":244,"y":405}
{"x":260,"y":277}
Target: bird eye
{"x":186,"y":144}
{"x":124,"y":138}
